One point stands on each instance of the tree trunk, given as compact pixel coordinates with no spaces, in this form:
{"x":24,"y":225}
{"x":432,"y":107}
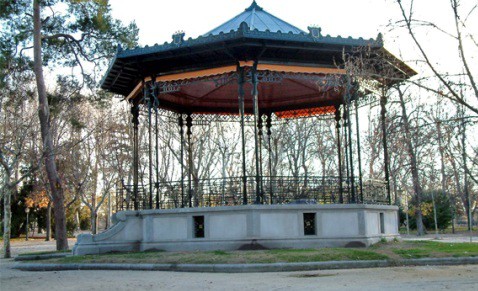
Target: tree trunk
{"x":7,"y":220}
{"x":93,"y":213}
{"x":48,"y":151}
{"x":441,"y":150}
{"x":413,"y":167}
{"x":77,"y":220}
{"x":466,"y":191}
{"x":93,"y":207}
{"x":93,"y":221}
{"x":39,"y":229}
{"x":108,"y":216}
{"x":458,"y":188}
{"x":435,"y":215}
{"x":48,"y":222}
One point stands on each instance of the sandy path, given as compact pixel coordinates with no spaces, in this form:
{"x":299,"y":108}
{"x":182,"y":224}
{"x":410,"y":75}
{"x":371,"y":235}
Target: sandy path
{"x":402,"y":278}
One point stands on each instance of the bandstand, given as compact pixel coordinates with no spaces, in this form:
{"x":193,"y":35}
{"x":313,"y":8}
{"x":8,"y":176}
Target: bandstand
{"x":256,"y":70}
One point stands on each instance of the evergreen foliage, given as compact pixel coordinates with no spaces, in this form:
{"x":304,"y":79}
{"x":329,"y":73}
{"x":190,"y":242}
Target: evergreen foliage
{"x":444,"y":210}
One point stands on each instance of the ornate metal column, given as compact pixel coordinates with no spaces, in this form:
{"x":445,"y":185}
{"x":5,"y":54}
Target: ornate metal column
{"x":339,"y":152}
{"x":181,"y":134}
{"x":155,"y":106}
{"x":346,"y":151}
{"x":148,"y":95}
{"x":189,"y":124}
{"x":255,"y":102}
{"x":135,"y":121}
{"x":268,"y":126}
{"x":261,"y":173}
{"x":359,"y":154}
{"x":241,"y":80}
{"x":383,"y":112}
{"x":349,"y":130}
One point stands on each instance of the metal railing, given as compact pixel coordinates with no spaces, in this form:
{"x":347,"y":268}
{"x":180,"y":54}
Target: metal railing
{"x":275,"y":190}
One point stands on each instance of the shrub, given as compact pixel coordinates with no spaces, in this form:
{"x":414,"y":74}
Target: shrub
{"x":443,"y":206}
{"x":85,"y":218}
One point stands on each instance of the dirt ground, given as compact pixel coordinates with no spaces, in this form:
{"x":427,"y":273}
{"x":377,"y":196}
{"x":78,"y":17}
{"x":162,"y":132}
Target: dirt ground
{"x":400,"y":278}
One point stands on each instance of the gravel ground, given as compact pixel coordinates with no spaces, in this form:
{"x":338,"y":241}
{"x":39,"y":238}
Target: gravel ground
{"x":402,"y":278}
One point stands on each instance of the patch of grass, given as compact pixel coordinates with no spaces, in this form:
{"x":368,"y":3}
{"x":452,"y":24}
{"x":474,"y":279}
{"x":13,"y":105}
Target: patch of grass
{"x":455,"y":249}
{"x":220,"y":253}
{"x":73,"y":259}
{"x":381,"y":244}
{"x":290,"y":251}
{"x":412,"y":253}
{"x":326,"y":254}
{"x":153,"y":251}
{"x":380,"y":251}
{"x":230,"y":257}
{"x":423,"y":249}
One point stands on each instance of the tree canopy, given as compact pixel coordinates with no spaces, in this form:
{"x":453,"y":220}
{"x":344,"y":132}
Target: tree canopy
{"x":79,"y":35}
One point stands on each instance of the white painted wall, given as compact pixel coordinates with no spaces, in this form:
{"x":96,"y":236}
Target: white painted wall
{"x":231,"y":227}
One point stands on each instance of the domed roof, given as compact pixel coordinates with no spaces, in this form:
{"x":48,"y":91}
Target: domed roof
{"x":256,"y":18}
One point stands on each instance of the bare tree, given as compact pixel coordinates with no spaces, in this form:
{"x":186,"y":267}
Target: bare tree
{"x":298,"y":141}
{"x":411,"y":150}
{"x":461,"y":15}
{"x":15,"y":143}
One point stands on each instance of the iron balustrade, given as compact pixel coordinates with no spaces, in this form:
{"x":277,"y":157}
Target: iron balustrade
{"x":275,"y":190}
{"x":125,"y":198}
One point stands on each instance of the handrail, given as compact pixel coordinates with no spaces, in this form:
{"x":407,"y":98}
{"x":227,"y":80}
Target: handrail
{"x":276,"y":190}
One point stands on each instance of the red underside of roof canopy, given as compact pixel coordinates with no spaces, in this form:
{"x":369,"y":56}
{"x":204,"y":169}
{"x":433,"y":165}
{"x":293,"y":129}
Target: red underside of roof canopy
{"x":288,"y":96}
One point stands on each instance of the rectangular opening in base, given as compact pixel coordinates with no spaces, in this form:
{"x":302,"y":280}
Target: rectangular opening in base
{"x":198,"y":226}
{"x":382,"y":223}
{"x":309,"y":224}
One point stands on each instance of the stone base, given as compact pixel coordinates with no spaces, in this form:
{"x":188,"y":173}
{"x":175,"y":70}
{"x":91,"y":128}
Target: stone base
{"x":244,"y":227}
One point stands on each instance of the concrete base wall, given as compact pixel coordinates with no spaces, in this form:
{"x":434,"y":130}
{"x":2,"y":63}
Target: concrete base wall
{"x":243,"y":227}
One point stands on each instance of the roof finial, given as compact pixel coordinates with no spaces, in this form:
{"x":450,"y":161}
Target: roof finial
{"x":254,"y":6}
{"x":315,"y":31}
{"x":178,"y":37}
